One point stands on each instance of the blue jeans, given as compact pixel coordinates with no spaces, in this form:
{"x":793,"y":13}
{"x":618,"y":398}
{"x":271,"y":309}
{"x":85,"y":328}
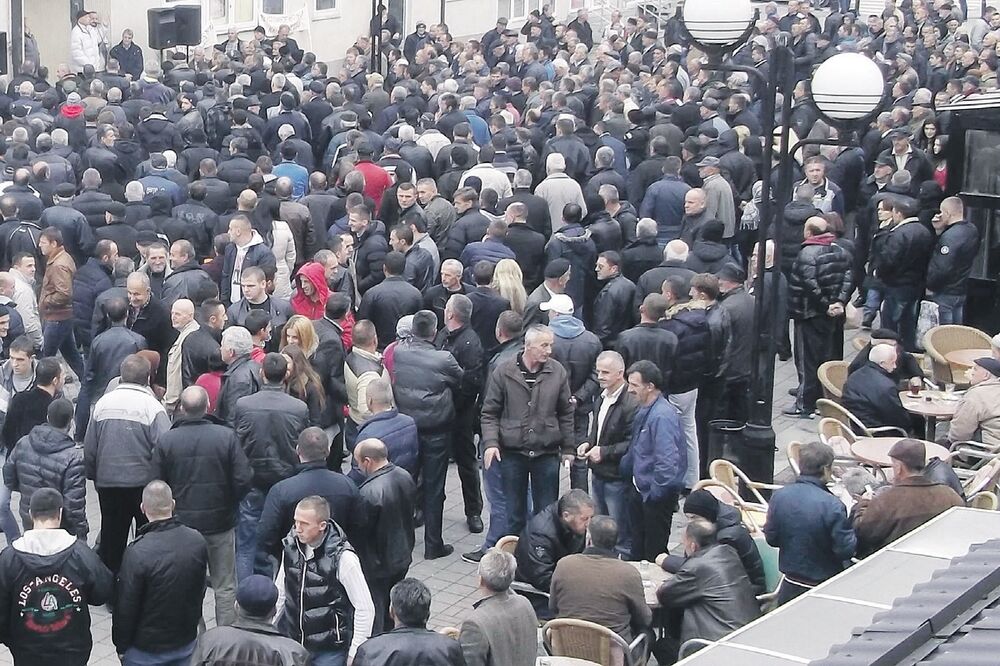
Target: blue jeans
{"x":7,"y":522}
{"x":873,"y":302}
{"x":247,"y":517}
{"x":543,"y":472}
{"x":609,"y":500}
{"x":899,"y":314}
{"x":493,"y":485}
{"x":329,"y":658}
{"x":951,"y":308}
{"x":59,"y":336}
{"x":177,"y":657}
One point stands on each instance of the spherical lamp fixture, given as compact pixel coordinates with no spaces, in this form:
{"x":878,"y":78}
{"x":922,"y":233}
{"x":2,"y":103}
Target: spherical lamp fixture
{"x":718,"y":23}
{"x":848,"y":87}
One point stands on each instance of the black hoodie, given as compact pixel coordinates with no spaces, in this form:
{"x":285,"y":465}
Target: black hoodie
{"x":48,"y":578}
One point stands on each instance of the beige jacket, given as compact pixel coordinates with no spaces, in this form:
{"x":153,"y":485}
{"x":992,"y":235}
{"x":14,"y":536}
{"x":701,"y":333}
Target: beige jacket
{"x":978,"y":410}
{"x":175,"y":364}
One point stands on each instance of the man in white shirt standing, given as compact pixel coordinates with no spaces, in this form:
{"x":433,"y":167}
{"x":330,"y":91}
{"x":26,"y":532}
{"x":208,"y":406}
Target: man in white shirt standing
{"x":17,"y":286}
{"x":85,"y":42}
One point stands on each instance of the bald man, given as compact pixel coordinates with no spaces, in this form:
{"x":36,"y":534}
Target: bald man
{"x":388,"y":494}
{"x":183,"y":321}
{"x":951,"y":262}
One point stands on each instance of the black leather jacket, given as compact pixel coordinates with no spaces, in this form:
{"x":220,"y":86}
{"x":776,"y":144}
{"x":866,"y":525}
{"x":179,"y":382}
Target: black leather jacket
{"x":241,"y":379}
{"x":268,"y":424}
{"x":388,"y":497}
{"x":410,"y":646}
{"x":248,"y":641}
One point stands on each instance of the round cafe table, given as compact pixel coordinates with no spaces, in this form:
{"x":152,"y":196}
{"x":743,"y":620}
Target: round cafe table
{"x":564,"y":661}
{"x":932,"y":405}
{"x":965,"y":358}
{"x":875,"y":450}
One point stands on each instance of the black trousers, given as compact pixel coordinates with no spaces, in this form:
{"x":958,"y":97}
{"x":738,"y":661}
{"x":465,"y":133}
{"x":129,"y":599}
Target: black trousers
{"x":650,"y":524}
{"x":813,"y":342}
{"x":579,"y":471}
{"x":463,"y":449}
{"x":119,"y":507}
{"x":434,"y":449}
{"x":710,"y":394}
{"x":380,"y":587}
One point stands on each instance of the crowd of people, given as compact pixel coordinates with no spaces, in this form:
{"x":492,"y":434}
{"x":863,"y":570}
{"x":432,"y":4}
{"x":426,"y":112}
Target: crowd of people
{"x":290,"y":293}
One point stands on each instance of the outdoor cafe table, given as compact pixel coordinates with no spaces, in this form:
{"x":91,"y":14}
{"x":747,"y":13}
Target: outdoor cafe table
{"x":564,"y":661}
{"x":875,"y":450}
{"x":655,"y":578}
{"x":965,"y":358}
{"x":932,"y":405}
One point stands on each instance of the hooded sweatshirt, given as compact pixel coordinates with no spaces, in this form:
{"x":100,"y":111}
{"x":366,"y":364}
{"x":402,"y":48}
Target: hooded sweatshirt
{"x":312,"y":307}
{"x":50,"y":578}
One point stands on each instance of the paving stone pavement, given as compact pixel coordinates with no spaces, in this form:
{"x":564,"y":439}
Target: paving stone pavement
{"x":451,"y":581}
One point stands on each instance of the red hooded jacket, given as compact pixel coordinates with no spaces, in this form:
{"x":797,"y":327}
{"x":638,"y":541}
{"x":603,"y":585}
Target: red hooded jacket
{"x":312,"y":307}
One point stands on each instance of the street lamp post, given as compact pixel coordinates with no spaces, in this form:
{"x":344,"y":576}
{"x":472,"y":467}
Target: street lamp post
{"x":848,"y":90}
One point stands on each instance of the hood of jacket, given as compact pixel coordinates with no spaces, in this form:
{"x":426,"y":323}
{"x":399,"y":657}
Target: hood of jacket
{"x":709,"y":250}
{"x":822,"y":239}
{"x":313,"y":272}
{"x":728,"y":141}
{"x":567,"y":326}
{"x":156,"y":123}
{"x":573,"y":235}
{"x":72,"y":111}
{"x":45,"y":549}
{"x":626,"y":208}
{"x":797,"y":212}
{"x":46,"y":440}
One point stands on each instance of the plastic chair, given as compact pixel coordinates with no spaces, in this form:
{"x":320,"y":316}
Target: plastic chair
{"x":832,"y":375}
{"x":566,"y":637}
{"x":507,"y":544}
{"x":948,"y":338}
{"x":772,"y":576}
{"x":727,"y":473}
{"x":831,"y":409}
{"x":985,"y":500}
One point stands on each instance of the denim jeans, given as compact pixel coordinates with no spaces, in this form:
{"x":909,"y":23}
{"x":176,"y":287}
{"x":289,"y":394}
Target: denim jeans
{"x":329,"y":658}
{"x":686,"y":404}
{"x":177,"y":657}
{"x":247,"y":517}
{"x":59,"y":336}
{"x":7,"y":521}
{"x":873,"y":302}
{"x":222,"y":574}
{"x":951,"y":308}
{"x":609,"y":500}
{"x":543,"y":472}
{"x":493,"y":486}
{"x":899,"y":314}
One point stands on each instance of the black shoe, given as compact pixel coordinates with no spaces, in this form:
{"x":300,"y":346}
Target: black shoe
{"x":473,"y":557}
{"x":784,"y":357}
{"x":859,"y":301}
{"x":475,"y":524}
{"x":866,"y":322}
{"x":794,"y":392}
{"x":418,"y":518}
{"x":445,"y":551}
{"x":797,"y":411}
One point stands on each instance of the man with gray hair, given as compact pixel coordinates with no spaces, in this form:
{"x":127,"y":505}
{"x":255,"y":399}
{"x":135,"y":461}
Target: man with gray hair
{"x":675,"y":254}
{"x":242,"y":378}
{"x":559,"y":190}
{"x":161,"y":586}
{"x":605,"y":173}
{"x":643,"y":253}
{"x":501,"y":630}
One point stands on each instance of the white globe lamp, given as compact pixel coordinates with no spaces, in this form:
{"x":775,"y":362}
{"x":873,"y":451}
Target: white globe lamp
{"x":718,"y":23}
{"x":848,"y":87}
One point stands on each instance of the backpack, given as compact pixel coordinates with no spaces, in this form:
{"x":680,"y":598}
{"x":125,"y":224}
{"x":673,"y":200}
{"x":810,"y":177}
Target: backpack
{"x":218,"y":122}
{"x":24,"y":238}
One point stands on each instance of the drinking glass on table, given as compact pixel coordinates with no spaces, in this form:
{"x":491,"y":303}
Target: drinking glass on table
{"x":916,"y":383}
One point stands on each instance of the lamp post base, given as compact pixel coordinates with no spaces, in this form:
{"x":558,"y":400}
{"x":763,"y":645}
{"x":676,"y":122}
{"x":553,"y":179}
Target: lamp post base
{"x":758,"y":452}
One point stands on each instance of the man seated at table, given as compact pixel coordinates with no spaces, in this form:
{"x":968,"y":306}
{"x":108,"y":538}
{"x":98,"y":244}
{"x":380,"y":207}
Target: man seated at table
{"x":711,"y":588}
{"x":556,"y":531}
{"x":598,"y":587}
{"x":906,"y":363}
{"x":979,"y":409}
{"x":871,"y":394}
{"x":730,"y":531}
{"x":908,"y":503}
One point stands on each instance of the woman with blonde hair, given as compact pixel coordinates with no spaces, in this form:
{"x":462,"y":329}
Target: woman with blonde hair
{"x":300,"y":331}
{"x":304,"y":383}
{"x":509,"y":283}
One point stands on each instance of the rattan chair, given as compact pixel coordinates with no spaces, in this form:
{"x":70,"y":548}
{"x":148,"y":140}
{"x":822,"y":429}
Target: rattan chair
{"x":833,"y":410}
{"x":793,"y":456}
{"x":943,"y":339}
{"x":725,"y":472}
{"x":985,"y":500}
{"x":450,"y":632}
{"x":507,"y":544}
{"x":753,"y":515}
{"x":981,"y":480}
{"x":832,"y":375}
{"x":566,"y":637}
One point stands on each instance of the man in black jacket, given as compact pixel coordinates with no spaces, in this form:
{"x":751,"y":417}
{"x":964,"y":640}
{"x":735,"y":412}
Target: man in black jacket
{"x":393,"y":298}
{"x":458,"y":338}
{"x":739,"y":305}
{"x":527,"y":243}
{"x":328,"y":362}
{"x":427,"y":381}
{"x":311,"y":477}
{"x":202,"y":462}
{"x":901,"y":261}
{"x":647,"y":341}
{"x":871,"y":393}
{"x":556,"y":531}
{"x":612,"y":309}
{"x":411,"y":641}
{"x":951,"y":262}
{"x":242,"y":377}
{"x":818,"y":291}
{"x":268,"y":424}
{"x":161,"y":585}
{"x":35,"y":632}
{"x":675,"y":255}
{"x":370,"y":248}
{"x":388,"y":494}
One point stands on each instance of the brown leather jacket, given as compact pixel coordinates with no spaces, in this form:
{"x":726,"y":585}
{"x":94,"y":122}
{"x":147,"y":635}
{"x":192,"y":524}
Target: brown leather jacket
{"x":900,"y":509}
{"x":55,"y":300}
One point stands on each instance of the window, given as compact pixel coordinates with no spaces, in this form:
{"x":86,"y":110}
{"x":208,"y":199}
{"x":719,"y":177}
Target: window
{"x":219,"y":9}
{"x":243,"y":11}
{"x":274,"y":6}
{"x":322,"y":5}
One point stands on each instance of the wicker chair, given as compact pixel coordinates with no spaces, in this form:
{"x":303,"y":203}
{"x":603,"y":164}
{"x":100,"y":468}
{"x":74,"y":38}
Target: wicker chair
{"x":831,"y":409}
{"x":728,"y":474}
{"x":753,"y":515}
{"x":565,"y":637}
{"x":832,"y":375}
{"x":507,"y":544}
{"x":450,"y":632}
{"x":985,"y":500}
{"x":943,"y":339}
{"x":793,"y":456}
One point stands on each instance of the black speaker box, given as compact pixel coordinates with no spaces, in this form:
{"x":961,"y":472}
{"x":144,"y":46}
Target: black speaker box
{"x":187,"y":18}
{"x":162,"y":28}
{"x":3,"y":52}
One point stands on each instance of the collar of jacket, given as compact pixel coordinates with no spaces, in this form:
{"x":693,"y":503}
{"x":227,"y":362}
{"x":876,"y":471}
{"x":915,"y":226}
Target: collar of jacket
{"x":812,"y":481}
{"x":914,"y":481}
{"x":906,"y":221}
{"x":158,"y":526}
{"x":207,"y":419}
{"x":381,"y":471}
{"x":600,"y":552}
{"x":255,"y":625}
{"x":306,"y":466}
{"x":822,"y":239}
